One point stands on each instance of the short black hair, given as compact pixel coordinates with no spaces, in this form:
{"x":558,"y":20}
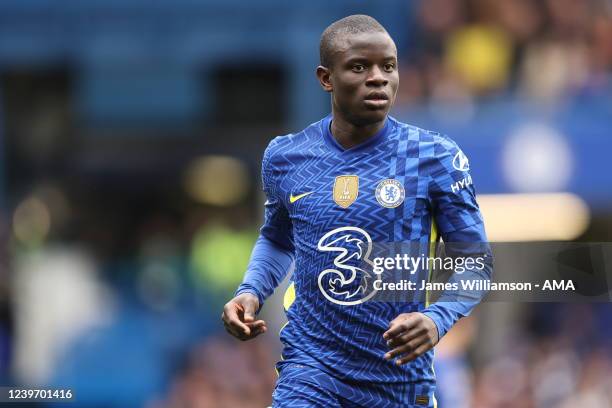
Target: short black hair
{"x":355,"y":24}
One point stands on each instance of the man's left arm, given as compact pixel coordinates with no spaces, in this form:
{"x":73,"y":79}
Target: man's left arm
{"x":459,"y":221}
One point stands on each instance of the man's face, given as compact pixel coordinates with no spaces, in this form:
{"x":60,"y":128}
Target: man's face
{"x":364,"y":77}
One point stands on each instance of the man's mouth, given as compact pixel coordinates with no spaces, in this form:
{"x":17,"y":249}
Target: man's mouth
{"x":376,"y":100}
{"x":376,"y":96}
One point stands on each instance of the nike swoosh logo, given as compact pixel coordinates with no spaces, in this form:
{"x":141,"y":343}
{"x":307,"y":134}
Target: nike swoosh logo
{"x":293,"y":199}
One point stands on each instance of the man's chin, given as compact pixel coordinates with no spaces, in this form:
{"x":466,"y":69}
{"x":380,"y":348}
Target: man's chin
{"x":371,"y":117}
{"x":360,"y":116}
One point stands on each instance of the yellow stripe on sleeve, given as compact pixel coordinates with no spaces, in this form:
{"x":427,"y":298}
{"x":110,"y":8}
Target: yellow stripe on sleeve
{"x":289,"y":297}
{"x":433,"y":241}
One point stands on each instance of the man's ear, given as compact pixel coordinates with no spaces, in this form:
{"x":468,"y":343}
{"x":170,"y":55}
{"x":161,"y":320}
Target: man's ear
{"x":324,"y":76}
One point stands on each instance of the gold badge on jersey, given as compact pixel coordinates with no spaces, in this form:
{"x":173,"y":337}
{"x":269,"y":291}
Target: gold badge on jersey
{"x":346,"y":190}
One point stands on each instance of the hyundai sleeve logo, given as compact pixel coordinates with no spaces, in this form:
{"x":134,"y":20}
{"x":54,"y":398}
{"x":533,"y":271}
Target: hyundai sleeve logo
{"x":461,"y":162}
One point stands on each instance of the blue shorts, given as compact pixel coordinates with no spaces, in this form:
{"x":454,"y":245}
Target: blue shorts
{"x":300,"y":386}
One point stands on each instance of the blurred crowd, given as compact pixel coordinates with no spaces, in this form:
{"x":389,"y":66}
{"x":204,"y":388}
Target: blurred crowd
{"x":465,"y":49}
{"x":558,"y":357}
{"x":546,"y":373}
{"x":223,"y":374}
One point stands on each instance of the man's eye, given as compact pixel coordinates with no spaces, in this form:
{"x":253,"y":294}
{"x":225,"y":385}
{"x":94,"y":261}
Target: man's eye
{"x":358,"y":68}
{"x":389,"y":67}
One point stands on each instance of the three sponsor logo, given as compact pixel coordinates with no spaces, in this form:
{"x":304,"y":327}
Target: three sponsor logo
{"x":345,"y":283}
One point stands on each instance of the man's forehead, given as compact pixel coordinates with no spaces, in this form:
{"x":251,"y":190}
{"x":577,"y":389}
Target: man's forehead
{"x":364,"y":42}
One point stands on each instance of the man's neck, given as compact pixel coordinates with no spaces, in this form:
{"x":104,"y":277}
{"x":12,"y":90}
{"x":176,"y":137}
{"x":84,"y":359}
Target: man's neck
{"x":349,"y":135}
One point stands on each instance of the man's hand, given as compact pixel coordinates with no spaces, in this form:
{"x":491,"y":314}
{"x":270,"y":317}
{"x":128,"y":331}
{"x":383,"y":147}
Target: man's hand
{"x":239,"y":317}
{"x":409,"y":336}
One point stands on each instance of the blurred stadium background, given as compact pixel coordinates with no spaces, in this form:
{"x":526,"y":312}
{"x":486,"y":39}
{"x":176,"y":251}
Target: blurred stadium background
{"x":130,"y":141}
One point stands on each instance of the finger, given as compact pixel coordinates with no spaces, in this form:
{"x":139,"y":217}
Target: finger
{"x":256,"y":328}
{"x":231,"y":317}
{"x":258,"y":331}
{"x":254,"y":333}
{"x":414,"y":354}
{"x":406,"y":336}
{"x":233,"y":331}
{"x":249,"y":311}
{"x":394,"y":330}
{"x":256,"y":324}
{"x":400,"y":324}
{"x":406,"y":347}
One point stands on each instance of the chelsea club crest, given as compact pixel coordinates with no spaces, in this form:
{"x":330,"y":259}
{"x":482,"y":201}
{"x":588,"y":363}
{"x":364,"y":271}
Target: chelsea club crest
{"x":390,"y":193}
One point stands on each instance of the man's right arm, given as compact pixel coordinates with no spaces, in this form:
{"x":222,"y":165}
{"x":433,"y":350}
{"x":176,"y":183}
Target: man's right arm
{"x":271,"y":259}
{"x":270,"y":262}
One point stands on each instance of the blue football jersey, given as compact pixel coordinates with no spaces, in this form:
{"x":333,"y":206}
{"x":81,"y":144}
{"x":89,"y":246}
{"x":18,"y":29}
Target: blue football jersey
{"x":404,"y":184}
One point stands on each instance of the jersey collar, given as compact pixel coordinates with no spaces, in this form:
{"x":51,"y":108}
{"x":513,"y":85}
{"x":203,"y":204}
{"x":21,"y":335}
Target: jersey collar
{"x":363,"y":146}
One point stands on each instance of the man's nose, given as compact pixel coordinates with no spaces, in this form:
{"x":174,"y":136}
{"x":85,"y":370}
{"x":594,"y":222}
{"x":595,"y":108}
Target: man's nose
{"x":376,"y":77}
